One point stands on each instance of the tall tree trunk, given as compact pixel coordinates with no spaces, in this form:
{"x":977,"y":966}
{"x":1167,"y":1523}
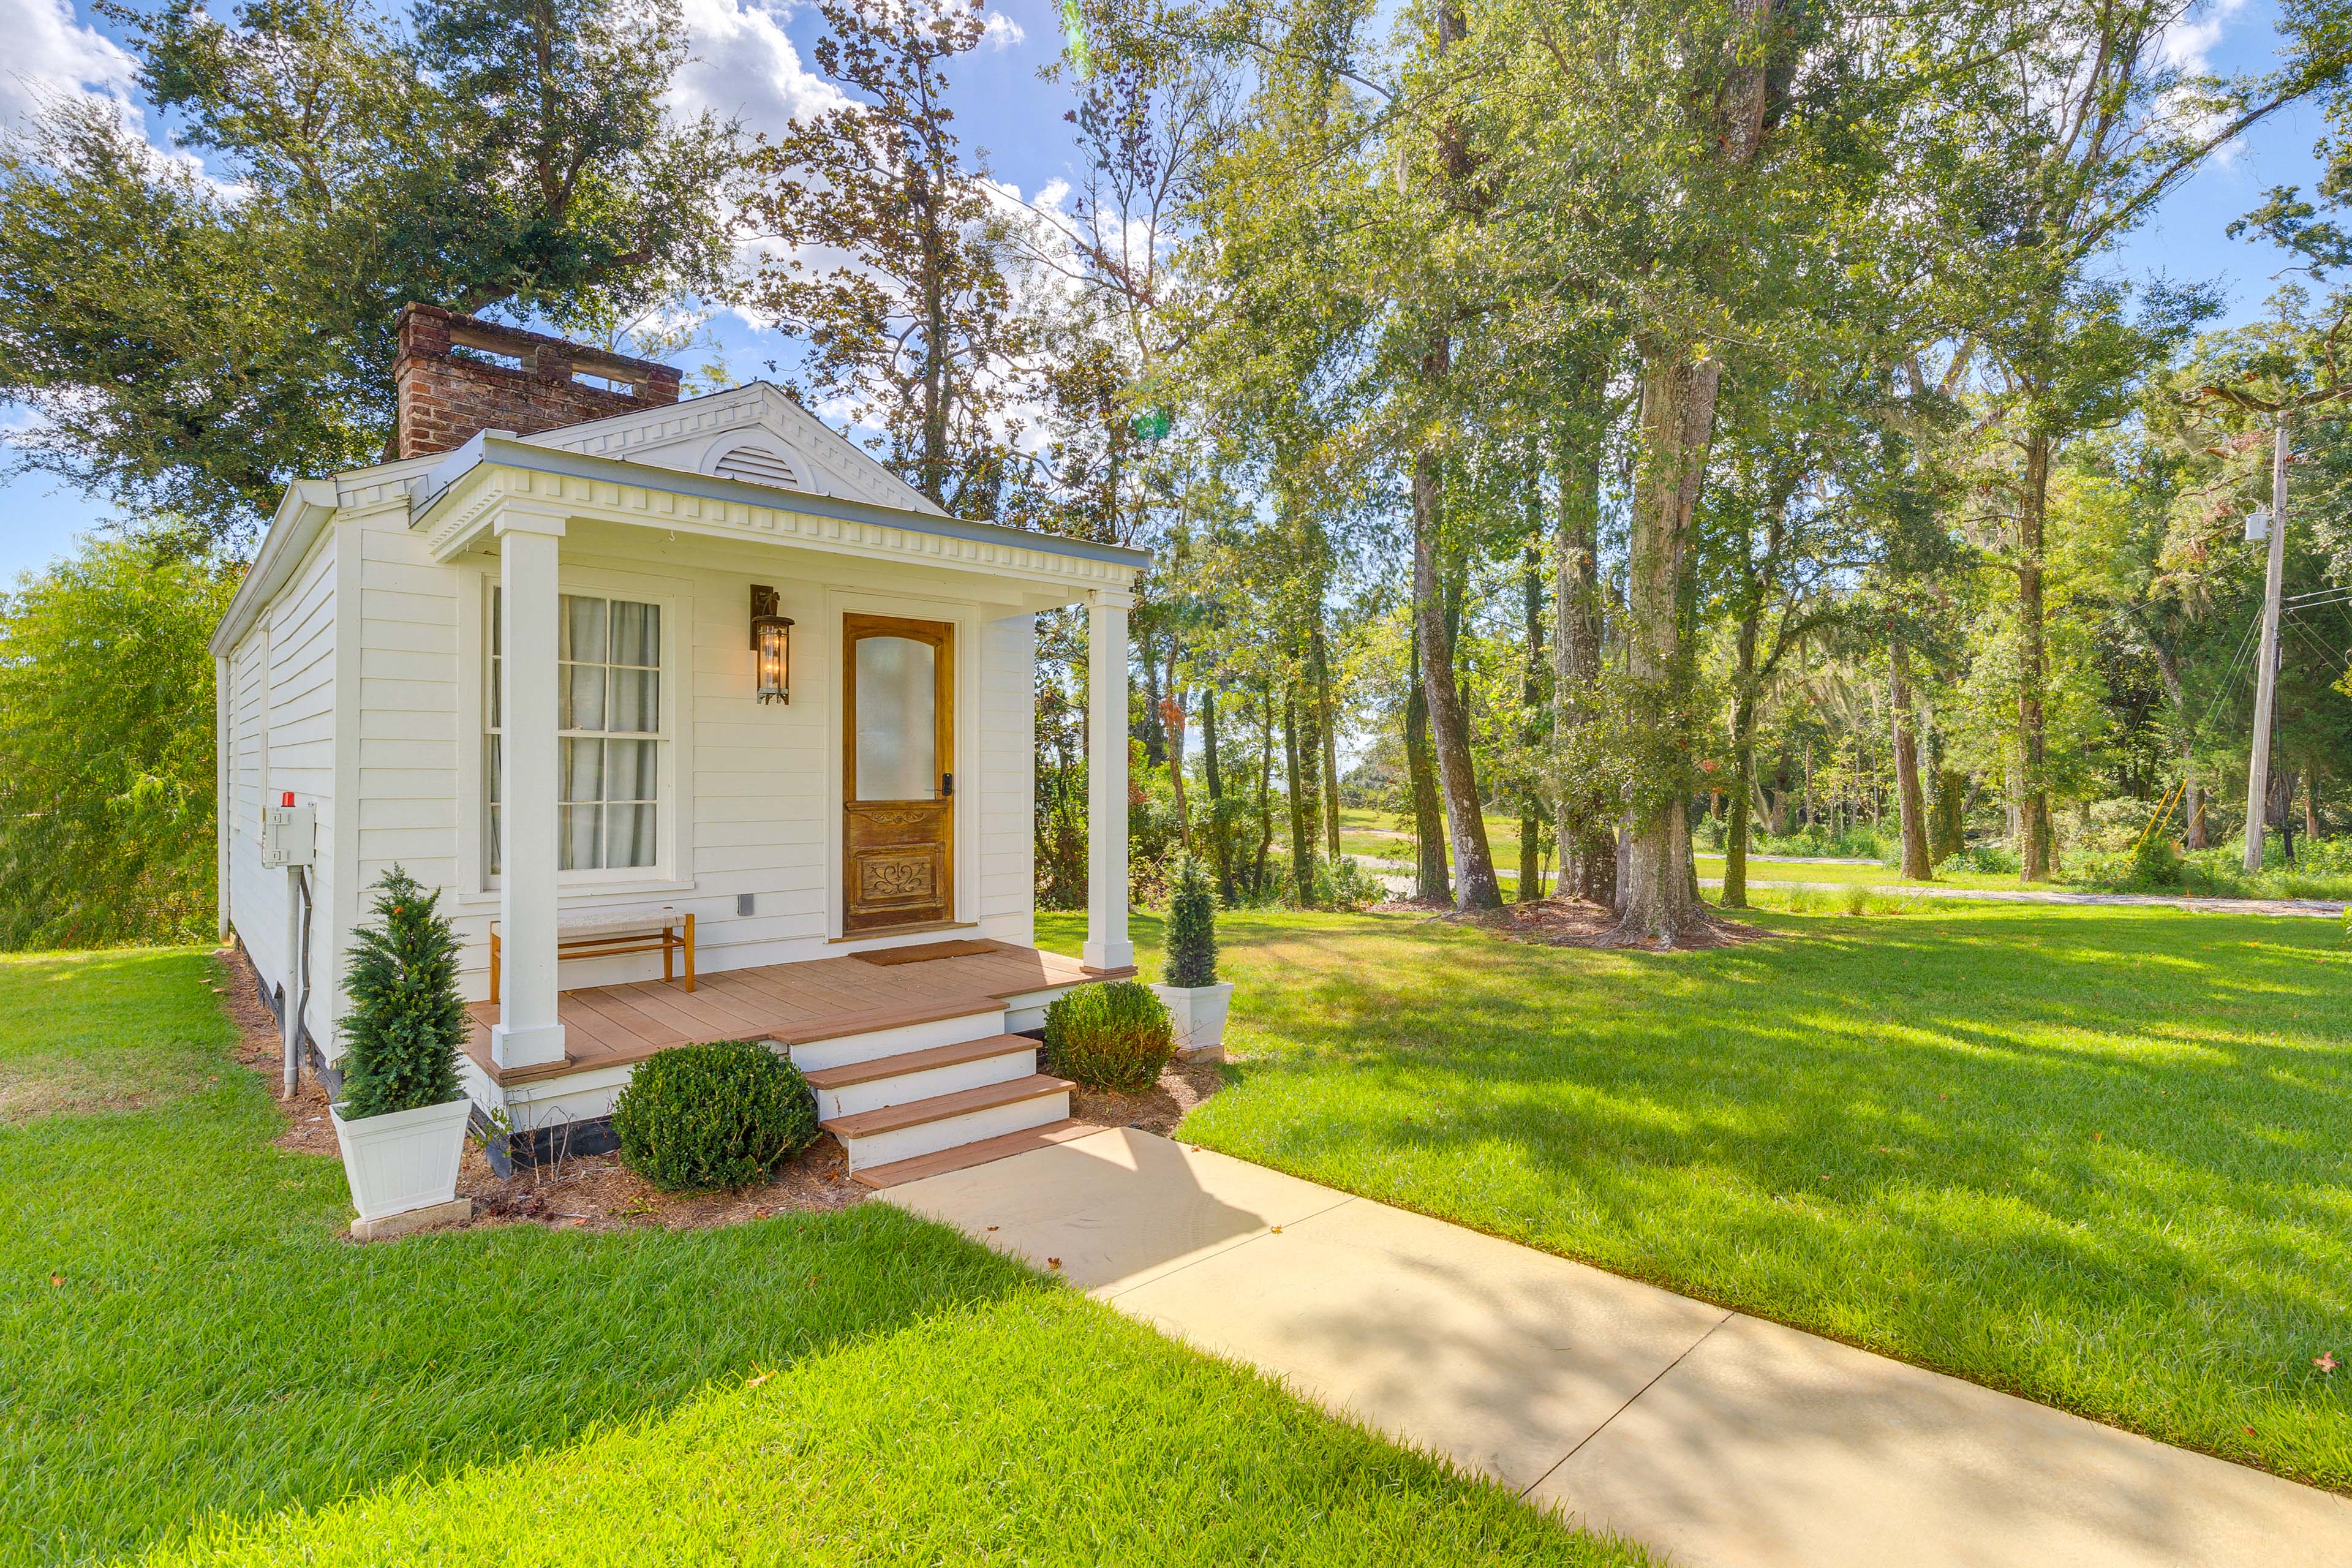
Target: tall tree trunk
{"x":1430,"y":878}
{"x":1474,"y":885}
{"x":1532,"y":879}
{"x":1743,"y":759}
{"x":1155,"y":735}
{"x":1917,"y":865}
{"x":1264,"y":790}
{"x":1171,"y":713}
{"x":1677,"y":421}
{"x":2033,"y":805}
{"x":1221,"y":843}
{"x":1310,"y":767}
{"x":2311,"y":801}
{"x":2192,"y":793}
{"x":1301,"y":802}
{"x":1327,"y":728}
{"x":1581,"y":819}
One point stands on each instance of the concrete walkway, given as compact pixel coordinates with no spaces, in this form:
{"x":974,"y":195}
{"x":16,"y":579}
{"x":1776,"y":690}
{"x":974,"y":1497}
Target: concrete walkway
{"x":1724,"y":1440}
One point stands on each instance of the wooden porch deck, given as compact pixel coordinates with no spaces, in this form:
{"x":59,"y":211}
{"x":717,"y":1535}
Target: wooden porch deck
{"x":816,"y":999}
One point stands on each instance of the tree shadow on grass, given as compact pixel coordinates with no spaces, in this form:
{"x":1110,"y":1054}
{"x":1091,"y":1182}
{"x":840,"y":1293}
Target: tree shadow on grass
{"x":189,"y":1334}
{"x":2034,"y":1153}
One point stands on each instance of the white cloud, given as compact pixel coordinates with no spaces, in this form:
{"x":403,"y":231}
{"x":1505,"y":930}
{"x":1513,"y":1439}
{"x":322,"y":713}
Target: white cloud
{"x":1002,"y":31}
{"x":2189,"y":45}
{"x":744,"y":65}
{"x":52,"y":54}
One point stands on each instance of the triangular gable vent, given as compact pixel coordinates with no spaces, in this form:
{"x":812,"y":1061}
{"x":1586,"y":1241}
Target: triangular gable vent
{"x":757,"y":466}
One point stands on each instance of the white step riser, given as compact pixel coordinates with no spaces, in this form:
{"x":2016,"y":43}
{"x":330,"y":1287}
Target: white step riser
{"x":955,"y":1132}
{"x":876,"y":1093}
{"x":849,"y":1048}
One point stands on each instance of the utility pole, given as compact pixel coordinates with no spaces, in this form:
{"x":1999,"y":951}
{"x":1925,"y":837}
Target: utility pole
{"x":2257,"y":776}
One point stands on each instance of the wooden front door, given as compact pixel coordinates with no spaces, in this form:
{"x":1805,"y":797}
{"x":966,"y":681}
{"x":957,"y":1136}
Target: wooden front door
{"x":898,"y":787}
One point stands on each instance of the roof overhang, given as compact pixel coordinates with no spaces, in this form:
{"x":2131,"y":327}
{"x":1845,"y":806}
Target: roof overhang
{"x":302,"y":512}
{"x":457,"y":507}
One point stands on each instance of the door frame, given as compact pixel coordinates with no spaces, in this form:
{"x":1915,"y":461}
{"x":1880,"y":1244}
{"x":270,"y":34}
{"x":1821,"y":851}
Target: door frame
{"x":941,"y":631}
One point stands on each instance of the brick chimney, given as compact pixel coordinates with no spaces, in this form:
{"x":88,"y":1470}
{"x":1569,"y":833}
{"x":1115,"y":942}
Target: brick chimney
{"x":511,"y":380}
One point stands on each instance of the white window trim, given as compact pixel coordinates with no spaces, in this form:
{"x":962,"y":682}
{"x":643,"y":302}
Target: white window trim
{"x":673,"y":825}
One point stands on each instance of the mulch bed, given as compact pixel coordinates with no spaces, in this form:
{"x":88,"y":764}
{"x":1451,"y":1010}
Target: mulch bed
{"x":597,"y":1192}
{"x":586,"y":1192}
{"x":1158,"y":1109}
{"x":1577,"y":922}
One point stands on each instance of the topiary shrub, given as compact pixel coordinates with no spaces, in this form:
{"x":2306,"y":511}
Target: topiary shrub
{"x":696,"y":1118}
{"x":1110,"y":1034}
{"x":407,"y":1021}
{"x":1191,"y":958}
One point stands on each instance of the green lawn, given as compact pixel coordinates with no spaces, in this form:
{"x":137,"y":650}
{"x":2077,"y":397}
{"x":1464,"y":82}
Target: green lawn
{"x":2098,"y":1157}
{"x":1819,"y":872}
{"x":198,"y":1365}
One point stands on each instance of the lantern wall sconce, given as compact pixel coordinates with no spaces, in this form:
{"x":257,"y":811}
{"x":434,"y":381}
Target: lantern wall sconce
{"x":772,"y":643}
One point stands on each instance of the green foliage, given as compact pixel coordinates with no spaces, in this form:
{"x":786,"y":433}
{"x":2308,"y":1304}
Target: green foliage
{"x":1112,"y":1035}
{"x":106,"y":747}
{"x":190,"y":352}
{"x":407,"y":1020}
{"x":1346,"y":885}
{"x":1995,"y":859}
{"x":1192,"y":928}
{"x":698,"y":1118}
{"x":914,"y":322}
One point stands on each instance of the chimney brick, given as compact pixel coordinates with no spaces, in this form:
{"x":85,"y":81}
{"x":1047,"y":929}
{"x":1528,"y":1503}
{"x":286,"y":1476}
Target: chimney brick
{"x":446,"y":399}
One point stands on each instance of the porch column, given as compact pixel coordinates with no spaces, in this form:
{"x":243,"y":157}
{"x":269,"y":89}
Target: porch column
{"x":1107,"y":944}
{"x":527,"y":1032}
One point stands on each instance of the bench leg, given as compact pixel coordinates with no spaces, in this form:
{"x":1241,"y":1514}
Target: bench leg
{"x":669,"y":951}
{"x":494,"y":969}
{"x":689,"y":953}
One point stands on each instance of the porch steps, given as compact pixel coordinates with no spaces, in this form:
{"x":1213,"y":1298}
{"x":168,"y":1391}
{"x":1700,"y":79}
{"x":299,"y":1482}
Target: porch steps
{"x":934,"y":1123}
{"x":914,"y":1029}
{"x":880,"y":1081}
{"x":1001,"y":1147}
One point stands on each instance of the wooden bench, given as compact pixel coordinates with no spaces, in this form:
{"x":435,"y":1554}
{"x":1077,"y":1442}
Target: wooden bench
{"x":607,"y":933}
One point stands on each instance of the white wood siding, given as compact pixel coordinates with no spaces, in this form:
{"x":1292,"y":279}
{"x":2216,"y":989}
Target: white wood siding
{"x":282,"y":724}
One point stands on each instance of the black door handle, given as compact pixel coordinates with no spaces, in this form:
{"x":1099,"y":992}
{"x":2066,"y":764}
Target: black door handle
{"x":947,"y":786}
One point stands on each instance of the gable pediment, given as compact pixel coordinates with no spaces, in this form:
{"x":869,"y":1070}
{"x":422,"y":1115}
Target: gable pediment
{"x":754,"y":434}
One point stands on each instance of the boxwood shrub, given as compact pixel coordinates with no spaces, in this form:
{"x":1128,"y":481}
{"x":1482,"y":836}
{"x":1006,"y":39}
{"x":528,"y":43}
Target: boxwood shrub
{"x":697,"y":1117}
{"x":1110,"y":1034}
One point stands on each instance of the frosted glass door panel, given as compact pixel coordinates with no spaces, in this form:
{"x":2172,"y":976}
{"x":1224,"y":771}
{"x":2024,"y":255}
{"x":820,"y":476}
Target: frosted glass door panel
{"x":898,"y":720}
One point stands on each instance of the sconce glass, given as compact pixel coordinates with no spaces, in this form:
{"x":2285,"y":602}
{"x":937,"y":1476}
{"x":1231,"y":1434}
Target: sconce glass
{"x":771,"y":644}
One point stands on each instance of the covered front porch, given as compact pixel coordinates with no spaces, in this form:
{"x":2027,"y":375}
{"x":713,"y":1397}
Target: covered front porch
{"x":860,"y":782}
{"x":795,"y":1004}
{"x":918,"y":1054}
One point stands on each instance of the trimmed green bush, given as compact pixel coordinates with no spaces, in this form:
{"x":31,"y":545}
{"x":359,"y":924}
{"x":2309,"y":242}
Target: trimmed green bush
{"x":1110,"y":1034}
{"x":407,"y":1019}
{"x":697,"y":1118}
{"x":1191,"y":929}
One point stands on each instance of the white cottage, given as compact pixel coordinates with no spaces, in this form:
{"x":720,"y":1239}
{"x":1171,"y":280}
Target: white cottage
{"x":707,"y":726}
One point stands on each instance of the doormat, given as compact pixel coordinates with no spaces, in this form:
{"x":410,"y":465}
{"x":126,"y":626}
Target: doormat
{"x":922,"y":950}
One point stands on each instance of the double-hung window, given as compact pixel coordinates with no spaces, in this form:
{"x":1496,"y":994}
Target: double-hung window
{"x":609,"y":716}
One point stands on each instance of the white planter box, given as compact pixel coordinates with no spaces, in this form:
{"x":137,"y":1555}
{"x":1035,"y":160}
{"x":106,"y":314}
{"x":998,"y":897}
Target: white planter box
{"x":407,"y":1160}
{"x":1198,"y":1012}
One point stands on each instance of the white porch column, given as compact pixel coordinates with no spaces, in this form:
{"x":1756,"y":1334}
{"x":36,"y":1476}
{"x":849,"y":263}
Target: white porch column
{"x":1107,"y":944}
{"x":527,"y":1032}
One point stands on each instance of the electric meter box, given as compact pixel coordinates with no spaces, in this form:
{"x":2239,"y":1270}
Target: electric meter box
{"x":289,"y":836}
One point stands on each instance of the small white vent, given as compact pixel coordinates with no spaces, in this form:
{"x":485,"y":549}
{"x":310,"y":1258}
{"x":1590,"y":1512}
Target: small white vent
{"x":757,"y":466}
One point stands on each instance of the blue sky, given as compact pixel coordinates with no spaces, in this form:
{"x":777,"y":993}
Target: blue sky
{"x":753,"y":58}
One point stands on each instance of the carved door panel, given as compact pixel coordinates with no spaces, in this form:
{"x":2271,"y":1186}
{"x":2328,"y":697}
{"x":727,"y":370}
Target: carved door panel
{"x":898,"y":786}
